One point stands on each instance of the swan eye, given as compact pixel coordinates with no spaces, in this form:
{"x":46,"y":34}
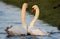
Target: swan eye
{"x":33,"y":10}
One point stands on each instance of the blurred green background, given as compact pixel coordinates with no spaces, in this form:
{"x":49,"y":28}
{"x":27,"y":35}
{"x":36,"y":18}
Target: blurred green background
{"x":49,"y":9}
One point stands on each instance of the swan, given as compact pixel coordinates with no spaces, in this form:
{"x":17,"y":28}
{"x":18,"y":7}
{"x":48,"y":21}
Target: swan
{"x":32,"y":30}
{"x":15,"y":30}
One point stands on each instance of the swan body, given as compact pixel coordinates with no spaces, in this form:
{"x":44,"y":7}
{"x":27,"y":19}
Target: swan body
{"x":15,"y":30}
{"x":32,"y":30}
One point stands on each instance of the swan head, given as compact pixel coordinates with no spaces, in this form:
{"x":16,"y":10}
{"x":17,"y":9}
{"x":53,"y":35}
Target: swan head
{"x":25,"y":5}
{"x":34,"y":8}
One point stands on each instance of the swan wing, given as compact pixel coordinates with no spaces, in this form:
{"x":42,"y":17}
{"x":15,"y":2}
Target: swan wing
{"x":17,"y":30}
{"x":37,"y":32}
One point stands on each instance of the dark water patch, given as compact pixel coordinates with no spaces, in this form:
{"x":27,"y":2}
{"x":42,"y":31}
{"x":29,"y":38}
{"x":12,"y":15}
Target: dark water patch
{"x":1,"y":13}
{"x":17,"y":22}
{"x":31,"y":37}
{"x":14,"y":22}
{"x":55,"y":32}
{"x":22,"y":37}
{"x":3,"y":33}
{"x":15,"y":37}
{"x":6,"y":21}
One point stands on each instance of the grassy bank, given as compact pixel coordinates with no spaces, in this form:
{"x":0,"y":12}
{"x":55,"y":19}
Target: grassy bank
{"x":49,"y":9}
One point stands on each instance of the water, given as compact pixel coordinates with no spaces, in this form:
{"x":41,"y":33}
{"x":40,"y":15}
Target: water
{"x":11,"y":15}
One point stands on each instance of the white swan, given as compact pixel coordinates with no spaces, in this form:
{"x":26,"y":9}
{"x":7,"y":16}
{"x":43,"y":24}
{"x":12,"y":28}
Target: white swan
{"x":15,"y":30}
{"x":32,"y":30}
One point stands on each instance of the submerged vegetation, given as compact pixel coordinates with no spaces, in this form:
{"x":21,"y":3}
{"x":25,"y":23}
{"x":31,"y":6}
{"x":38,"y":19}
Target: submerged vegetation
{"x":49,"y":9}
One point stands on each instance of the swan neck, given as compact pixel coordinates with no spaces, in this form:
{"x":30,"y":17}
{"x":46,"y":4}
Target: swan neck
{"x":35,"y":18}
{"x":23,"y":16}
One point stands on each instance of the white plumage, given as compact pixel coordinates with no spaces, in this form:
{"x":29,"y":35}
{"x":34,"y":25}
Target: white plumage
{"x":15,"y":30}
{"x":31,"y":29}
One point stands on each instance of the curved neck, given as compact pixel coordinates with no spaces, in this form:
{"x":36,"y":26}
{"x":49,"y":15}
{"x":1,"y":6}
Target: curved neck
{"x":23,"y":16}
{"x":35,"y":18}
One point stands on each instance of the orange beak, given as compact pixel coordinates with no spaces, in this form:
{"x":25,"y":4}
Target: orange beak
{"x":32,"y":10}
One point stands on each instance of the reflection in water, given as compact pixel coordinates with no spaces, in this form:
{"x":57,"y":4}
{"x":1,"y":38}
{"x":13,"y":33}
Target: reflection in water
{"x":22,"y":37}
{"x":32,"y":37}
{"x":11,"y":15}
{"x":12,"y":37}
